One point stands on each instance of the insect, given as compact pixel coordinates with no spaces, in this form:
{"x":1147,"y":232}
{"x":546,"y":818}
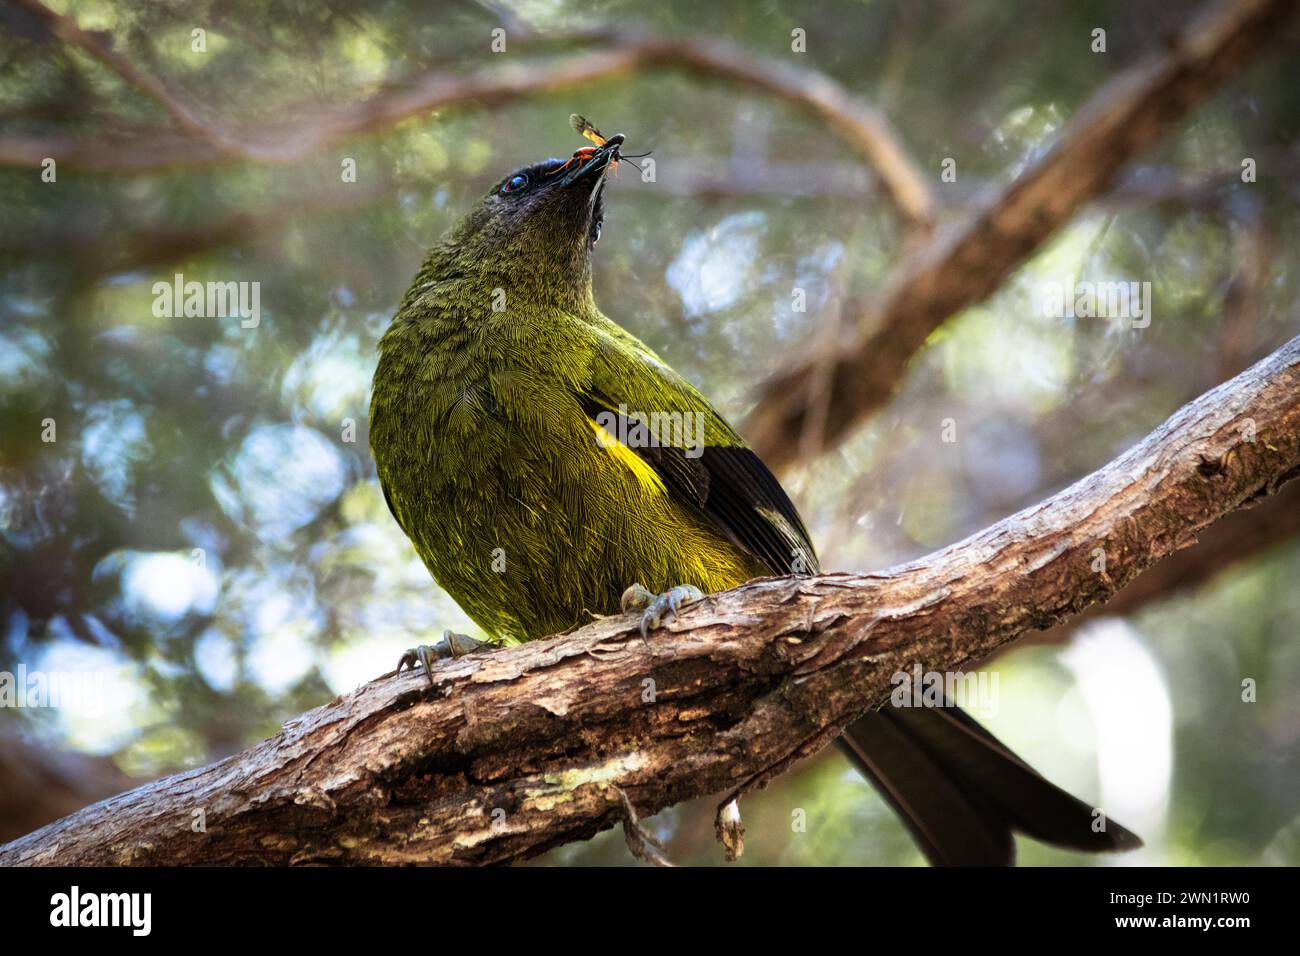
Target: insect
{"x":587,"y":129}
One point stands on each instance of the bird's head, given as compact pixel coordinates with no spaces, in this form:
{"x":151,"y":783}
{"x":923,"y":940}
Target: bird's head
{"x":538,"y":224}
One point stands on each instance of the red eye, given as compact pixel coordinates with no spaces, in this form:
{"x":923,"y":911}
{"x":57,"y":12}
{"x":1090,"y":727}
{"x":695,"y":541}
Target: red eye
{"x":515,"y":183}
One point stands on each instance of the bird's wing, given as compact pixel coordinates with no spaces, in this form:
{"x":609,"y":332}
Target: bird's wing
{"x":704,"y":465}
{"x":960,"y":790}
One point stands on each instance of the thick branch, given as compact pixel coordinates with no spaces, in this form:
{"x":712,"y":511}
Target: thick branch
{"x":1242,"y":536}
{"x":518,"y":750}
{"x":963,"y":266}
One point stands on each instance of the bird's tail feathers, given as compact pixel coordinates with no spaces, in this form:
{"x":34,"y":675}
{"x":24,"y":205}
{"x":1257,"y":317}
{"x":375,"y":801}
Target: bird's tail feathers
{"x":962,"y":792}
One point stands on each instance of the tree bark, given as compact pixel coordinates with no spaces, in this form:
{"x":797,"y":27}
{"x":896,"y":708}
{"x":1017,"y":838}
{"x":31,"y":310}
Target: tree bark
{"x":1242,"y":536}
{"x":505,"y":754}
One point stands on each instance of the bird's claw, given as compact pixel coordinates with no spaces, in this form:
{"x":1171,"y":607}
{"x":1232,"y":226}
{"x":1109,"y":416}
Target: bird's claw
{"x":450,"y":644}
{"x":654,"y":607}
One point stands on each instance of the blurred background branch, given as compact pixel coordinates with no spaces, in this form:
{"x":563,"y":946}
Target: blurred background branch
{"x":296,"y":136}
{"x":42,"y":784}
{"x":964,"y":265}
{"x":100,"y":46}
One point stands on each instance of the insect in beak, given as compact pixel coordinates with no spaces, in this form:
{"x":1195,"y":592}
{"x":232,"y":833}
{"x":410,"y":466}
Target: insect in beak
{"x":587,"y":130}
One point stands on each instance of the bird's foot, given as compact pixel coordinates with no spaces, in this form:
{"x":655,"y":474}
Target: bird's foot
{"x":450,"y":644}
{"x":654,"y":607}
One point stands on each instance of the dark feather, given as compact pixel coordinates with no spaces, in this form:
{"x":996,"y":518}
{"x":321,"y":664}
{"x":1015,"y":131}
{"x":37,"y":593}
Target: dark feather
{"x":732,"y":486}
{"x":951,"y":827}
{"x":963,"y":793}
{"x":960,"y":792}
{"x":1025,"y":799}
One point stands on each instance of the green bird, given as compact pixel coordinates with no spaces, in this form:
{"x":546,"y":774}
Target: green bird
{"x":547,"y":464}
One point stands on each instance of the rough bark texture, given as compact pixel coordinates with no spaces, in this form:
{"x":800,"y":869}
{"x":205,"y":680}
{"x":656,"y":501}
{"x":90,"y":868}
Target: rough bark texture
{"x":829,"y":394}
{"x":515,"y":751}
{"x":1242,"y":536}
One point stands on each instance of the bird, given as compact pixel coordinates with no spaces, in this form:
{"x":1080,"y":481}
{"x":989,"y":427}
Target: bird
{"x":547,"y":466}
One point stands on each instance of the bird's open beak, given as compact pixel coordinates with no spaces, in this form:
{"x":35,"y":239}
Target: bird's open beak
{"x":591,"y":171}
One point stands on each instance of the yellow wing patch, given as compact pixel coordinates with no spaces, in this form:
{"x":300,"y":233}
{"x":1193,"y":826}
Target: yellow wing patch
{"x":646,"y":476}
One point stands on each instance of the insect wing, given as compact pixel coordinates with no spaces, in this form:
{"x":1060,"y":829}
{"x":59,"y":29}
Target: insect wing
{"x":584,"y":126}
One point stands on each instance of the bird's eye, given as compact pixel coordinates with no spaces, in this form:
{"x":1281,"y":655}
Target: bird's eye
{"x":515,"y":184}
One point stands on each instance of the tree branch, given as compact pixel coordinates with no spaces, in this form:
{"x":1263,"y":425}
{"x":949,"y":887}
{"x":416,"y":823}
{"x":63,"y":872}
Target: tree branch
{"x":301,"y":132}
{"x":1241,"y":536}
{"x":100,"y":46}
{"x":963,"y":266}
{"x":147,"y":245}
{"x":512,"y":752}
